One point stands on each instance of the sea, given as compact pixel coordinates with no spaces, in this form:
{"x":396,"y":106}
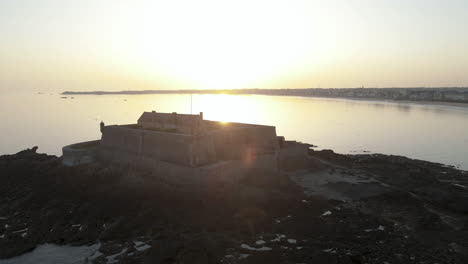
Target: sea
{"x":435,"y":132}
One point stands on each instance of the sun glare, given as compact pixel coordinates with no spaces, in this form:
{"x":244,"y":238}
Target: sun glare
{"x":228,"y":108}
{"x":231,"y":48}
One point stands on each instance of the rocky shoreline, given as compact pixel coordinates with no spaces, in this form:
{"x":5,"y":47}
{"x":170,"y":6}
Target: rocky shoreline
{"x":332,"y":208}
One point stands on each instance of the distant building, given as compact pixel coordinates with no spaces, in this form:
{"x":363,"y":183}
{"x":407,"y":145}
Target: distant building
{"x":187,"y":124}
{"x":455,"y":96}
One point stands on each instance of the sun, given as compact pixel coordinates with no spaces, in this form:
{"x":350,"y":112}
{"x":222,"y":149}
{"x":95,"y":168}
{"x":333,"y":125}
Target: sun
{"x":223,"y":44}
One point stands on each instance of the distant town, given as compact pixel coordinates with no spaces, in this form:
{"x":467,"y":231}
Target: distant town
{"x":440,"y":94}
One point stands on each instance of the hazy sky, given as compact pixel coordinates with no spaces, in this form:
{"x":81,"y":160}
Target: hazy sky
{"x":56,"y":45}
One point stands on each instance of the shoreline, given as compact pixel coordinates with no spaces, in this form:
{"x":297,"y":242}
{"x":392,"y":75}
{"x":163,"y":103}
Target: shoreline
{"x":393,"y":101}
{"x":415,"y":102}
{"x":443,"y":94}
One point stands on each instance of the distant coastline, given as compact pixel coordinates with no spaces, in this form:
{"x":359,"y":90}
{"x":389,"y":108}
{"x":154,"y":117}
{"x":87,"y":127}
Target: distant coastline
{"x":440,"y":94}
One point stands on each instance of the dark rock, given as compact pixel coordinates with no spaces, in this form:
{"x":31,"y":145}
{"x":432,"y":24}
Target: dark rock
{"x":84,"y":204}
{"x":164,"y":251}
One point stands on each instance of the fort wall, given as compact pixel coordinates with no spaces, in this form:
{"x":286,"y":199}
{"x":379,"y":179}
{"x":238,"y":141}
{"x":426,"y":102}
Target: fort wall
{"x":220,"y":173}
{"x":80,"y":153}
{"x":177,"y":148}
{"x":203,"y":150}
{"x":237,"y":142}
{"x":187,"y":150}
{"x":226,"y":142}
{"x":160,"y":167}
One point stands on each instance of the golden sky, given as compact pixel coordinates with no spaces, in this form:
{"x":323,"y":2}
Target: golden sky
{"x":62,"y":45}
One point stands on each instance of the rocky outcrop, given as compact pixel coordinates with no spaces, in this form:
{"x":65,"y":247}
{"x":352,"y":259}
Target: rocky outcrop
{"x":420,"y":217}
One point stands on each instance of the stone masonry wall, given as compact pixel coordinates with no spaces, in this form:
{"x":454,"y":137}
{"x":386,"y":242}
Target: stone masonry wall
{"x":236,"y":142}
{"x":170,"y":147}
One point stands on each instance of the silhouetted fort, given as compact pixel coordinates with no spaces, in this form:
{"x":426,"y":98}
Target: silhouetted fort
{"x":187,"y":139}
{"x":182,"y":145}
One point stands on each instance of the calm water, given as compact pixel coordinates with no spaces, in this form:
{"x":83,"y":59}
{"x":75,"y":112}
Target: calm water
{"x":424,"y":131}
{"x":50,"y":253}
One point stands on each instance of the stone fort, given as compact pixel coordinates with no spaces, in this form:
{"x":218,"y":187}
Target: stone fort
{"x":186,"y":145}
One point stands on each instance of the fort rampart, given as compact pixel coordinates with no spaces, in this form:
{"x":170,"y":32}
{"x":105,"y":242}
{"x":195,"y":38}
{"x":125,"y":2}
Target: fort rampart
{"x":185,"y":149}
{"x":80,"y":153}
{"x":228,"y":143}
